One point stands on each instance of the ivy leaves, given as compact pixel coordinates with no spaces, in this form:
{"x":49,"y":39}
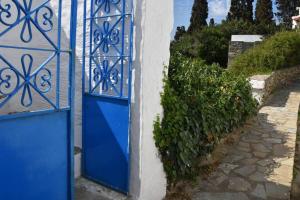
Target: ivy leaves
{"x":201,"y":104}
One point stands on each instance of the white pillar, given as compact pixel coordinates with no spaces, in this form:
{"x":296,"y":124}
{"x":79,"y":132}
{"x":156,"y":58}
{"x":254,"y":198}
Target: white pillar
{"x":153,"y":27}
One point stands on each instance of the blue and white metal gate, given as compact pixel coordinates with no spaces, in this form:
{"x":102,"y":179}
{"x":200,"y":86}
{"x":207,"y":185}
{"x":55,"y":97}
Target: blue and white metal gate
{"x":36,"y":79}
{"x":107,"y":79}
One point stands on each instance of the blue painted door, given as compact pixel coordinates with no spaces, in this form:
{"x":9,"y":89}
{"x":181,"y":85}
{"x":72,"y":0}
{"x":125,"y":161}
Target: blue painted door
{"x":106,"y":88}
{"x":36,"y":76}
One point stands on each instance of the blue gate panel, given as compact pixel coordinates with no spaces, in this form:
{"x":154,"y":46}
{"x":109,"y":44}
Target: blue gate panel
{"x":105,"y":139}
{"x":107,"y":62}
{"x":37,"y":58}
{"x":34,"y":157}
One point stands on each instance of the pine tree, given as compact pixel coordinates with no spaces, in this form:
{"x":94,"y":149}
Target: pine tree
{"x":235,"y":12}
{"x":212,"y":22}
{"x":179,"y":33}
{"x":241,"y":10}
{"x":249,"y":10}
{"x":287,"y":9}
{"x":199,"y":15}
{"x":264,"y":12}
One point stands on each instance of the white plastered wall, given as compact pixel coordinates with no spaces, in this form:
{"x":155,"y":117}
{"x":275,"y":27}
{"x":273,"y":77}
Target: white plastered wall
{"x":153,"y":26}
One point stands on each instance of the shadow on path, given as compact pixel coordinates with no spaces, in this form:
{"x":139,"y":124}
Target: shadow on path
{"x":260,"y":164}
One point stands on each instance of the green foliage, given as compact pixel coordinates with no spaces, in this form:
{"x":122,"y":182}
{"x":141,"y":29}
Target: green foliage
{"x":180,"y":31}
{"x":276,"y":52}
{"x":201,"y":105}
{"x":235,"y":12}
{"x":240,"y":27}
{"x":249,"y":10}
{"x":264,"y":12}
{"x":241,"y":10}
{"x":212,"y":22}
{"x":211,"y":43}
{"x":199,"y":15}
{"x":287,"y":9}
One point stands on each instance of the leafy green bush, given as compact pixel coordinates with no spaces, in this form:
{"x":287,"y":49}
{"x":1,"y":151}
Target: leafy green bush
{"x":211,"y":43}
{"x":240,"y":27}
{"x":276,"y":52}
{"x":201,"y":104}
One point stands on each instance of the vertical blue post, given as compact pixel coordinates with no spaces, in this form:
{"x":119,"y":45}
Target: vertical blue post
{"x":91,"y":46}
{"x":58,"y":54}
{"x":83,"y":77}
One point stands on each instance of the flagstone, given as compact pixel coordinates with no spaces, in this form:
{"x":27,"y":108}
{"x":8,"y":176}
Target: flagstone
{"x":277,"y":191}
{"x":246,"y":170}
{"x":260,"y":164}
{"x":226,"y":167}
{"x":259,"y":192}
{"x":249,"y":161}
{"x":260,"y":154}
{"x":258,"y":177}
{"x":239,"y":184}
{"x":220,"y":196}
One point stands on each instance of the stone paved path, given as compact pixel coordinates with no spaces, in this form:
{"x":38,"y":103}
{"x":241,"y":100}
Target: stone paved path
{"x":260,"y":165}
{"x":88,"y":190}
{"x":296,"y":182}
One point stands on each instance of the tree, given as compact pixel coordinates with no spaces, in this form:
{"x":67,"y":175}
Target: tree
{"x":287,"y":9}
{"x":180,"y":32}
{"x":212,"y":22}
{"x":241,"y":10}
{"x":264,"y":12}
{"x":235,"y":12}
{"x":249,"y":11}
{"x":199,"y":15}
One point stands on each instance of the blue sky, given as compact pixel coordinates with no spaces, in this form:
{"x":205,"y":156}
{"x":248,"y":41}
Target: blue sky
{"x":218,"y":10}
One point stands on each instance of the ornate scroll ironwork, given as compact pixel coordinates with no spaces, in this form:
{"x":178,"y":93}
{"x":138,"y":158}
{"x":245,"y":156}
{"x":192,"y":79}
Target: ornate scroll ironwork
{"x":7,"y":74}
{"x":110,"y":48}
{"x":105,"y":75}
{"x":6,"y":15}
{"x":106,"y":4}
{"x":106,"y":36}
{"x":24,"y":78}
{"x":12,"y":80}
{"x":11,"y":14}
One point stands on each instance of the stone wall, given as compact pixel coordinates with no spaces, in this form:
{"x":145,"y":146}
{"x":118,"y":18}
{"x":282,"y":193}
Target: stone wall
{"x":238,"y":47}
{"x":264,"y":85}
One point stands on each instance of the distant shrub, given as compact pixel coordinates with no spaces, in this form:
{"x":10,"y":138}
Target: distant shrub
{"x":279,"y":51}
{"x":201,"y":105}
{"x":211,"y":43}
{"x":240,"y":27}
